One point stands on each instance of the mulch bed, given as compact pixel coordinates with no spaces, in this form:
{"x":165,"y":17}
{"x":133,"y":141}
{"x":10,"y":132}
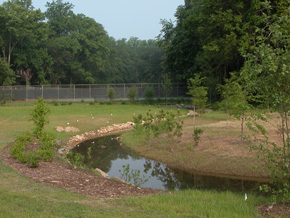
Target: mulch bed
{"x":84,"y":182}
{"x":280,"y":209}
{"x":65,"y":176}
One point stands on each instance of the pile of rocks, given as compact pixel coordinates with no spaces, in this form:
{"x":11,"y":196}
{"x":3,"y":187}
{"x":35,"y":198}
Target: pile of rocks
{"x":67,"y":129}
{"x":75,"y":140}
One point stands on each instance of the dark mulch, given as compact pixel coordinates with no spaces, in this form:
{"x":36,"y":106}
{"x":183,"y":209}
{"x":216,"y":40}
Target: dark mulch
{"x":280,"y":209}
{"x":62,"y":175}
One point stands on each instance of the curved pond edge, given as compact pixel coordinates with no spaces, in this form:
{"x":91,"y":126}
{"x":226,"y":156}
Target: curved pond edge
{"x":116,"y":128}
{"x":75,"y":140}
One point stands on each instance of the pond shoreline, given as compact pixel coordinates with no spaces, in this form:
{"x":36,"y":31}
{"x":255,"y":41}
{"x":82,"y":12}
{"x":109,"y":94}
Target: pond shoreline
{"x":77,"y":139}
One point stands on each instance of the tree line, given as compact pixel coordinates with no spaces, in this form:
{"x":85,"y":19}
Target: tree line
{"x":210,"y":38}
{"x":60,"y":47}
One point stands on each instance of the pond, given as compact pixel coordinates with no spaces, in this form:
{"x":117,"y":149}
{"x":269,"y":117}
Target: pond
{"x":107,"y":154}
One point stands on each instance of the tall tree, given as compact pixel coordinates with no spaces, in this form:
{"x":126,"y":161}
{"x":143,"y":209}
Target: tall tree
{"x":7,"y":76}
{"x":208,"y":37}
{"x":18,"y":23}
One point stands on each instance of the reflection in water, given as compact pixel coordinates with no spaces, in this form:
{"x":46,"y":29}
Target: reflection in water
{"x":106,"y":154}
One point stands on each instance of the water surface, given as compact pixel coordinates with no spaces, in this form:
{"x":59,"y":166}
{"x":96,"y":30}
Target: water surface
{"x":107,"y":154}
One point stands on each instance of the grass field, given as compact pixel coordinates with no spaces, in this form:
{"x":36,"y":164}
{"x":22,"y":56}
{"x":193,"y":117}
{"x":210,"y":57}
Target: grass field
{"x":21,"y":197}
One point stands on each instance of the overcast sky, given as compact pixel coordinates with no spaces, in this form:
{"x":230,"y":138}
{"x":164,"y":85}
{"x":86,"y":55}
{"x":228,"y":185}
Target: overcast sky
{"x":124,"y":18}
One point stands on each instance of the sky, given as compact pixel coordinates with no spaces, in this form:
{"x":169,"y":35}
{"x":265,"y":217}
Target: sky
{"x":124,"y":18}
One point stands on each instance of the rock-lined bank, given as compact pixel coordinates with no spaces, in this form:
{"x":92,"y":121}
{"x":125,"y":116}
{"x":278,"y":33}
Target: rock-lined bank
{"x":75,"y":140}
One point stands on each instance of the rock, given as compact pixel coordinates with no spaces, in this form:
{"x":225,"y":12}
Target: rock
{"x":103,"y":174}
{"x":59,"y":129}
{"x":118,"y":138}
{"x":191,"y":113}
{"x":71,"y":129}
{"x":118,"y":180}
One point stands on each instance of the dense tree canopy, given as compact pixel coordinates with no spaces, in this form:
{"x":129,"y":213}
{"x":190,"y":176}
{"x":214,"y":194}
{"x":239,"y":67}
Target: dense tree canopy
{"x":209,"y":35}
{"x":60,"y":47}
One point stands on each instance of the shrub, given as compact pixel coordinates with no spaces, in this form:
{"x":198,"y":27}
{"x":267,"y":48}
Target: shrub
{"x":132,"y":93}
{"x":39,"y":117}
{"x":157,"y":123}
{"x":76,"y":159}
{"x":47,"y":146}
{"x":111,"y":93}
{"x":196,"y":135}
{"x":33,"y":158}
{"x":18,"y":148}
{"x":44,"y":140}
{"x":148,"y":94}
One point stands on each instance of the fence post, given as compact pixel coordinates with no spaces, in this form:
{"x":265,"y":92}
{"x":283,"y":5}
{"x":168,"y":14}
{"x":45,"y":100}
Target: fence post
{"x":42,"y":91}
{"x":90,"y":92}
{"x":124,"y":90}
{"x":58,"y":92}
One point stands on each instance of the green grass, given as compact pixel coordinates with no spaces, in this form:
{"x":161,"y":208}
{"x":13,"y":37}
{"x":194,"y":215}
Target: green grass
{"x":22,"y":197}
{"x":198,"y":204}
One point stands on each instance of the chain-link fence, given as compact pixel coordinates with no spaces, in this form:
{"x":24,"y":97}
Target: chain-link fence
{"x":88,"y":92}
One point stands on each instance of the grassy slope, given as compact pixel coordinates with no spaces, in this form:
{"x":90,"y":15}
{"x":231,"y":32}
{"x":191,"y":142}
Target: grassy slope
{"x":21,"y":197}
{"x":220,"y":150}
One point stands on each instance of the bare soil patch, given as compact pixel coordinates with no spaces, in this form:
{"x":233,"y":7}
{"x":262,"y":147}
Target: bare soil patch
{"x":84,"y":182}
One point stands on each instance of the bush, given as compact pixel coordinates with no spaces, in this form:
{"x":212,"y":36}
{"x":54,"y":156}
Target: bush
{"x":111,"y":93}
{"x":18,"y":148}
{"x":149,"y":94}
{"x":157,"y":123}
{"x":33,"y":158}
{"x":39,"y":117}
{"x":196,"y":136}
{"x":55,"y":103}
{"x":44,"y":140}
{"x":45,"y":151}
{"x":132,"y":93}
{"x":47,"y":147}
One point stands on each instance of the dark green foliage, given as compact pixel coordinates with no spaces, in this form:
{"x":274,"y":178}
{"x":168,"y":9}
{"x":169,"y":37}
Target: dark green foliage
{"x":111,"y":93}
{"x":149,"y":94}
{"x":277,"y":161}
{"x":76,"y":159}
{"x":18,"y":149}
{"x":198,"y":92}
{"x":44,"y":150}
{"x":47,"y":146}
{"x":33,"y":158}
{"x":7,"y":76}
{"x":196,"y":135}
{"x":43,"y":143}
{"x":166,"y":87}
{"x":265,"y":77}
{"x":132,"y":93}
{"x":61,"y":47}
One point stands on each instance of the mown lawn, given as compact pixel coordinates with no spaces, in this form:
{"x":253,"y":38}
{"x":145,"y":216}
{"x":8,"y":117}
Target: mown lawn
{"x":21,"y":197}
